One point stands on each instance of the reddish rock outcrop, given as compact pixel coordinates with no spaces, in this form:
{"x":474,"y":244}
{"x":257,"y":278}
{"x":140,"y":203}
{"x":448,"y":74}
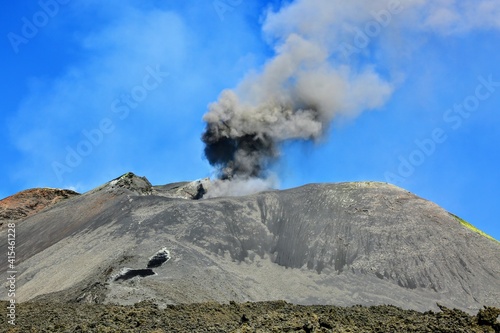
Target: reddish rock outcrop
{"x":26,"y":203}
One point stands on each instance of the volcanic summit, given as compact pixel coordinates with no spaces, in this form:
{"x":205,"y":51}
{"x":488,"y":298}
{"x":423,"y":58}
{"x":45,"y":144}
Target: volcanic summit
{"x":349,"y":243}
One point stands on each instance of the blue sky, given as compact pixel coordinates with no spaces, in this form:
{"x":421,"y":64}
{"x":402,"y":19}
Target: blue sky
{"x":91,"y":91}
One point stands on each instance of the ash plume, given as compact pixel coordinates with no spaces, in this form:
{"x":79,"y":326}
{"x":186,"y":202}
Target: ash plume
{"x":294,"y":97}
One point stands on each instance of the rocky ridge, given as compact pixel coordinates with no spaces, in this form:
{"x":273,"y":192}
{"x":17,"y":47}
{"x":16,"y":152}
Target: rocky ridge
{"x":349,"y":243}
{"x":29,"y":202}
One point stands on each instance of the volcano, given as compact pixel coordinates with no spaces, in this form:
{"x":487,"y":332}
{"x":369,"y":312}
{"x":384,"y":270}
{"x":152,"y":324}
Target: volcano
{"x":349,"y":243}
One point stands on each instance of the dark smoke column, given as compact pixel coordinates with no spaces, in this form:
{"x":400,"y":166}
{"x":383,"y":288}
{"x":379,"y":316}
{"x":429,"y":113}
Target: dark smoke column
{"x":298,"y":92}
{"x":243,"y":157}
{"x":242,"y":140}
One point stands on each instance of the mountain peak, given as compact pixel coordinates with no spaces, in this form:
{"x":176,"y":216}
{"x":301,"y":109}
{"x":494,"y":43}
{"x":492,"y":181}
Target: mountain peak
{"x":142,"y":186}
{"x":343,"y":243}
{"x":128,"y":181}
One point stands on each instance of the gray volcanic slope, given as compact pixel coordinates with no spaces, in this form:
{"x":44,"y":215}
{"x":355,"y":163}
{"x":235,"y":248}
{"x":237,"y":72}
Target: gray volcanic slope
{"x":343,"y":244}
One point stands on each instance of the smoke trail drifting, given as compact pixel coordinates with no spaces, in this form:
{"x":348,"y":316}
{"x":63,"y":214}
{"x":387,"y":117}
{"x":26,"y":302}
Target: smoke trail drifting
{"x":295,"y":97}
{"x":311,"y":79}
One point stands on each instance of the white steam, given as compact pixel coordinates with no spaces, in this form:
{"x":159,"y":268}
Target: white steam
{"x":238,"y":187}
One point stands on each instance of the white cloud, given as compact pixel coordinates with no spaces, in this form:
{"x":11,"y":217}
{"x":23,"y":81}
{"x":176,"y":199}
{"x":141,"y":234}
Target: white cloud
{"x":449,"y":17}
{"x":331,"y":19}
